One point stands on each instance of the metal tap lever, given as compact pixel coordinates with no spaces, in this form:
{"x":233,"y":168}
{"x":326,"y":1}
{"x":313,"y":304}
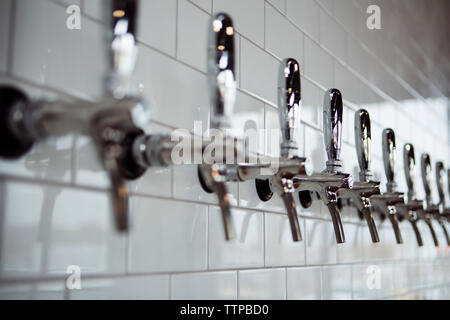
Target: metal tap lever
{"x":289,"y":101}
{"x":332,"y":127}
{"x":363,"y":138}
{"x":221,"y":74}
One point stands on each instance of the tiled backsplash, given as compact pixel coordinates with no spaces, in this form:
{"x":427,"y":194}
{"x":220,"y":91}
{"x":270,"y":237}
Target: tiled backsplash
{"x":54,"y":201}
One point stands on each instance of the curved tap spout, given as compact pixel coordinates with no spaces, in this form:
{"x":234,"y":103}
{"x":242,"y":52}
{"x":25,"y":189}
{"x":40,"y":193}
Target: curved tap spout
{"x":221,"y":74}
{"x":289,"y":105}
{"x":332,"y":127}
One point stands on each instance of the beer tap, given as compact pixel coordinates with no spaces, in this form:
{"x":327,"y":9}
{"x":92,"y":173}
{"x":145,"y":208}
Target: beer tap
{"x":432,"y":210}
{"x":413,"y":208}
{"x":326,"y":184}
{"x":385,"y":203}
{"x":112,"y":122}
{"x":364,"y":189}
{"x":289,"y":164}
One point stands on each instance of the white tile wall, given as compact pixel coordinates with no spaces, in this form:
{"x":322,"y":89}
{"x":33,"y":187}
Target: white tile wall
{"x":54,"y":203}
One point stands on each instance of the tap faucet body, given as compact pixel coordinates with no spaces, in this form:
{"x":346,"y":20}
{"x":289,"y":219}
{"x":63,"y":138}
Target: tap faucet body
{"x":289,"y":164}
{"x":363,"y":190}
{"x":112,"y":122}
{"x":431,"y":211}
{"x":413,"y":208}
{"x":386,"y":202}
{"x":327,"y":184}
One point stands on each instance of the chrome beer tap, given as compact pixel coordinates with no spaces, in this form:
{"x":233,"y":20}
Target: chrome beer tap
{"x":276,"y":175}
{"x":325,"y":185}
{"x":364,"y":189}
{"x":289,"y":164}
{"x":111,"y":122}
{"x":431,"y":210}
{"x":385,"y":203}
{"x":413,"y":208}
{"x":157,"y":149}
{"x":444,"y":211}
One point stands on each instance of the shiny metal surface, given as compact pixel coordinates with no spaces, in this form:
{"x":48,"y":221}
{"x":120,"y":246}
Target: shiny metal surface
{"x":289,"y":106}
{"x":123,"y":15}
{"x":389,"y":158}
{"x":432,"y":210}
{"x":221,"y":70}
{"x":332,"y":128}
{"x":363,"y":136}
{"x":414,"y":208}
{"x":111,"y":121}
{"x":363,"y":190}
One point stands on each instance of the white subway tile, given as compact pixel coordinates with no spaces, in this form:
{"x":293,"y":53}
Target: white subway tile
{"x":321,"y":247}
{"x":305,"y":14}
{"x":32,"y":291}
{"x":156,"y":18}
{"x":282,"y":38}
{"x":95,"y":9}
{"x":180,"y":232}
{"x":123,"y":288}
{"x":259,"y":72}
{"x":193,"y":29}
{"x":21,"y":245}
{"x":279,"y":4}
{"x":50,"y":160}
{"x":5,"y":9}
{"x":201,"y":286}
{"x":304,"y":283}
{"x":312,"y":99}
{"x":246,"y":250}
{"x":318,"y":64}
{"x":281,"y":250}
{"x":204,"y":4}
{"x":336,"y":282}
{"x":70,"y":60}
{"x":262,"y":284}
{"x":352,"y":250}
{"x":333,"y":36}
{"x":248,"y":17}
{"x":315,"y":148}
{"x":179,"y":93}
{"x":81,"y":234}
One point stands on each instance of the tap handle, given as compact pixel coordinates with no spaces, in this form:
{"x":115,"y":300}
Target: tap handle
{"x":440,"y":181}
{"x":122,"y":43}
{"x":289,"y":99}
{"x":362,"y":142}
{"x":222,"y":78}
{"x":332,"y":127}
{"x":425,"y":163}
{"x":389,"y":156}
{"x":409,"y":164}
